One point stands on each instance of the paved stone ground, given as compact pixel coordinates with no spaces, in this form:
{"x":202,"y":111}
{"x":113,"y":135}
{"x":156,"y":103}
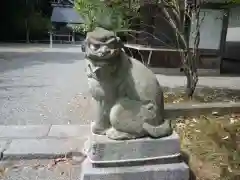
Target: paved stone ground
{"x":48,"y":141}
{"x":42,"y":152}
{"x":39,"y":85}
{"x":42,"y":141}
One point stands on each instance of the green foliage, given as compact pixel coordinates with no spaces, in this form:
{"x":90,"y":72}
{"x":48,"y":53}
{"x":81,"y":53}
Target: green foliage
{"x":38,"y":23}
{"x":110,"y":14}
{"x":82,"y":28}
{"x":235,"y":1}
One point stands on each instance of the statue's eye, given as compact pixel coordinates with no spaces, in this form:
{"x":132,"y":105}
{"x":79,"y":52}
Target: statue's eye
{"x":112,"y":45}
{"x":94,"y":46}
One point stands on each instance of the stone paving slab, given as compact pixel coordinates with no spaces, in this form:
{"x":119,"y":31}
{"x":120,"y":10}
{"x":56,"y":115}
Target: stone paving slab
{"x":191,"y":109}
{"x":43,"y":148}
{"x":41,"y":141}
{"x":47,"y":141}
{"x":206,"y":81}
{"x":3,"y":145}
{"x":1,"y":128}
{"x":69,"y":131}
{"x":29,"y":131}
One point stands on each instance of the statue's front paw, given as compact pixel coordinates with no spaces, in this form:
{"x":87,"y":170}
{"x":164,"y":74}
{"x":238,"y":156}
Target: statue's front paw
{"x":97,"y":129}
{"x":118,"y":135}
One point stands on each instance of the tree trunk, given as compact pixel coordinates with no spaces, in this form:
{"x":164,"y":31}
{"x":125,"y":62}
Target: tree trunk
{"x":189,"y":58}
{"x":27,"y":31}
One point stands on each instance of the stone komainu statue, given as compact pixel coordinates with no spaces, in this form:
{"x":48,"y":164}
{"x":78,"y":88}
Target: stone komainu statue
{"x":129,"y":97}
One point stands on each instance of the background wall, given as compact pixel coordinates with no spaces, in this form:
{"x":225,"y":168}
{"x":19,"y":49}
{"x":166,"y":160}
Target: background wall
{"x":232,"y":49}
{"x":210,"y":29}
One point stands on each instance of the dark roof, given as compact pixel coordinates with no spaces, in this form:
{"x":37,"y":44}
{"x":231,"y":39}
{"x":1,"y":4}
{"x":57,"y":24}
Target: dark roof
{"x":66,"y":15}
{"x":61,"y":3}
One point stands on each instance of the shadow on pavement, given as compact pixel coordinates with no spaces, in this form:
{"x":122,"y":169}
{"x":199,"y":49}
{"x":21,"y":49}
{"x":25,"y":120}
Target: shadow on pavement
{"x":16,"y":60}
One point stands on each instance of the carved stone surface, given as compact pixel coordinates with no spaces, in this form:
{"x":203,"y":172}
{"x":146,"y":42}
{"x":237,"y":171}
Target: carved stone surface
{"x":139,"y":159}
{"x":104,"y":150}
{"x":129,"y":97}
{"x":173,"y":171}
{"x":130,"y":139}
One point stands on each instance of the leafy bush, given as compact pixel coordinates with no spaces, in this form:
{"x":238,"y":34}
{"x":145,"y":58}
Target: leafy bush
{"x":110,"y":14}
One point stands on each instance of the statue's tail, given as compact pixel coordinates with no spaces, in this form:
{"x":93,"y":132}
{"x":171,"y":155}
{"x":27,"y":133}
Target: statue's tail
{"x":161,"y":130}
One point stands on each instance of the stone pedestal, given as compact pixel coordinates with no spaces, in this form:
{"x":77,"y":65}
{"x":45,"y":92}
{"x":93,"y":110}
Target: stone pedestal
{"x":140,"y":159}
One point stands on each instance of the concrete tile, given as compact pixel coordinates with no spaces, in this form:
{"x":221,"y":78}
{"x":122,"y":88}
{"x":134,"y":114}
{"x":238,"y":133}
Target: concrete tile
{"x":43,"y":148}
{"x":29,"y":131}
{"x":69,"y":131}
{"x":3,"y":145}
{"x":1,"y":128}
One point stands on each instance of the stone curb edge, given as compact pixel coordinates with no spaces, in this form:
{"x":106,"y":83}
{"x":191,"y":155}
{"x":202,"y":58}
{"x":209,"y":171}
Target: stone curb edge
{"x":40,"y":156}
{"x":56,"y":141}
{"x":190,"y":109}
{"x":42,"y":141}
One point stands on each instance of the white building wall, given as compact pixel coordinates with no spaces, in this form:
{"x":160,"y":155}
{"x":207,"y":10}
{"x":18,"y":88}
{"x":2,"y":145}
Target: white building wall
{"x":232,"y":47}
{"x":210,"y":29}
{"x":233,"y":33}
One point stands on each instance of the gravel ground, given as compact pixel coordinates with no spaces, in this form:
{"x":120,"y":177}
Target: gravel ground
{"x":43,"y":86}
{"x":39,"y":85}
{"x":59,"y":169}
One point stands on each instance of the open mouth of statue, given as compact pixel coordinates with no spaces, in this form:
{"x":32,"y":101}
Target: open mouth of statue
{"x":99,"y":65}
{"x":105,"y":55}
{"x":101,"y":54}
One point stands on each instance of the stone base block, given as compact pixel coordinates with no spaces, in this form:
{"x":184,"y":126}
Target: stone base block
{"x":104,"y":150}
{"x":173,"y":171}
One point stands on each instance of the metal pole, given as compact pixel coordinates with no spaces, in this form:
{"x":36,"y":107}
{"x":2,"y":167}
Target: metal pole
{"x":51,"y":43}
{"x":73,"y":37}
